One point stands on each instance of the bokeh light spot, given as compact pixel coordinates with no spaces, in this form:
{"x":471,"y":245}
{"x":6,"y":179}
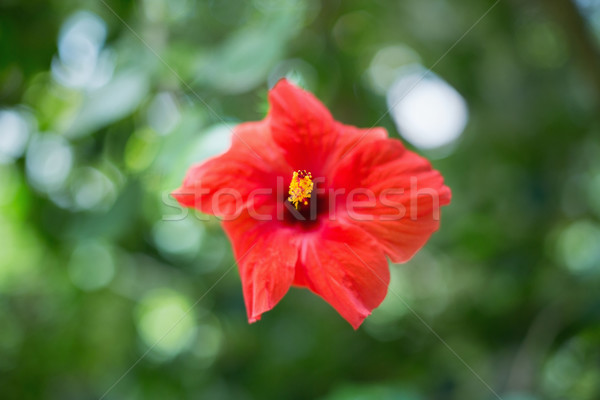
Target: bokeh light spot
{"x":92,"y":190}
{"x":578,"y":247}
{"x":387,"y":65}
{"x":163,"y":113}
{"x":92,"y":266}
{"x":79,"y":47}
{"x":297,"y":71}
{"x":14,"y":133}
{"x":164,"y":322}
{"x":214,"y":141}
{"x":141,"y":150}
{"x":428,"y":112}
{"x":49,"y":161}
{"x":180,"y":238}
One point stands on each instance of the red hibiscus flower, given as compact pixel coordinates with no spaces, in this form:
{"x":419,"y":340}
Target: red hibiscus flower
{"x":311,"y":202}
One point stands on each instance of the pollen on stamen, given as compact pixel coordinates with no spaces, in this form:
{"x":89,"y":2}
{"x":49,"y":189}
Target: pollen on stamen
{"x":301,"y":187}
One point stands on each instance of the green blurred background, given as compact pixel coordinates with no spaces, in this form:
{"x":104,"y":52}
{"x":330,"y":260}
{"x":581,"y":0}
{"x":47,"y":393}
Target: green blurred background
{"x":105,"y":105}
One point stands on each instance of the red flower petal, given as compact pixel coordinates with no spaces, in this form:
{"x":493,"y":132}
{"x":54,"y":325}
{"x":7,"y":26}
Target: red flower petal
{"x":266,"y":256}
{"x":302,"y":126}
{"x":346,"y":268}
{"x":309,"y":136}
{"x":223,"y":185}
{"x":351,"y":138}
{"x":407,"y":196}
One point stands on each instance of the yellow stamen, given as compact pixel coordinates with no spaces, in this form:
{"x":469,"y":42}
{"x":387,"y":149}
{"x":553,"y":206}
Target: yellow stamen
{"x":300,"y":188}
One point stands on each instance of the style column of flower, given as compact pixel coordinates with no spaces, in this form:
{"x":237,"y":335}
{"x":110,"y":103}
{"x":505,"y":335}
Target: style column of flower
{"x":345,"y":187}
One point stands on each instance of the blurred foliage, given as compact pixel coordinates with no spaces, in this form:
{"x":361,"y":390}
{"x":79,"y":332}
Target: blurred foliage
{"x":105,"y":289}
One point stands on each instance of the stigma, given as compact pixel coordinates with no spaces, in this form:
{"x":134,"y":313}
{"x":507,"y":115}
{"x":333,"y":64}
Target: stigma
{"x":300,"y":188}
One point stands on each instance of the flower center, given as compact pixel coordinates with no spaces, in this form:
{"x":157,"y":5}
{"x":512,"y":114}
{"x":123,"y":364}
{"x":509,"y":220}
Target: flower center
{"x":300,"y":188}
